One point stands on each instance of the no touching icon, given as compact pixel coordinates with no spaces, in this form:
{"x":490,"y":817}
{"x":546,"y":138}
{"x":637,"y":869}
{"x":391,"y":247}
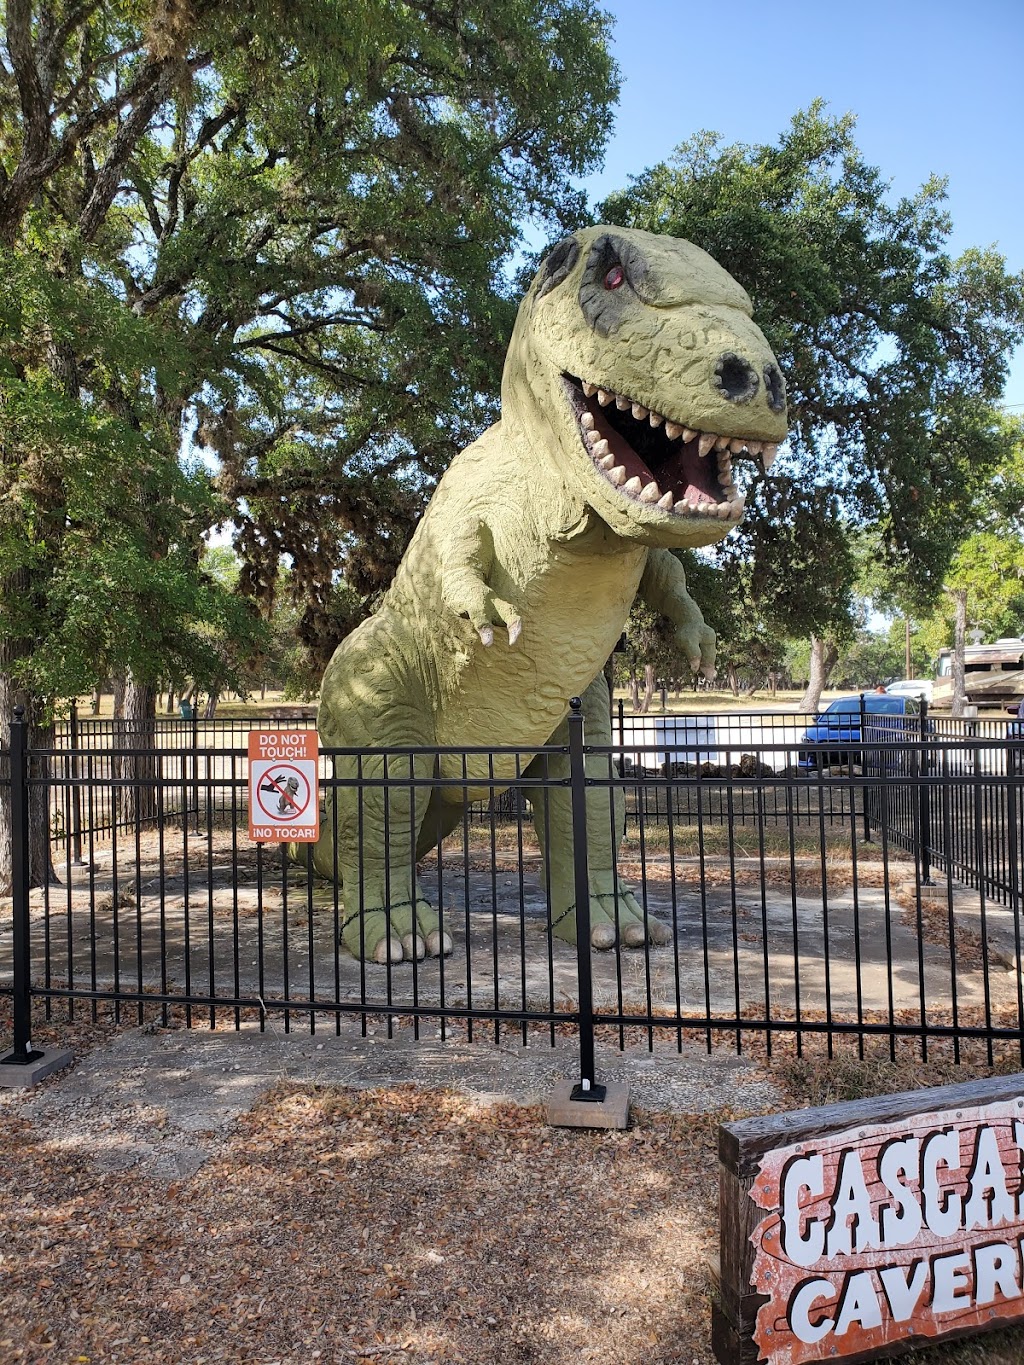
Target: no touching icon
{"x":283,"y":797}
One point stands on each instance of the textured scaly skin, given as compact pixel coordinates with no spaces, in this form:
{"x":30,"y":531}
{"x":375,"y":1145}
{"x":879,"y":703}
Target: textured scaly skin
{"x":518,"y":583}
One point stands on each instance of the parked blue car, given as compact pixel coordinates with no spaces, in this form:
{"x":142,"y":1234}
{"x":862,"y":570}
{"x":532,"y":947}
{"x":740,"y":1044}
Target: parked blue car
{"x":839,"y":723}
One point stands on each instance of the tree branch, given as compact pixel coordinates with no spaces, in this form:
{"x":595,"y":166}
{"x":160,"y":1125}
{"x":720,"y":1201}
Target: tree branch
{"x":129,"y":134}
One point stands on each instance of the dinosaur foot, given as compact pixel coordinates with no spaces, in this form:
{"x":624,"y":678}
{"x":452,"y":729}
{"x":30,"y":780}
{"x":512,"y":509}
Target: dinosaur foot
{"x":616,"y":919}
{"x":402,"y":934}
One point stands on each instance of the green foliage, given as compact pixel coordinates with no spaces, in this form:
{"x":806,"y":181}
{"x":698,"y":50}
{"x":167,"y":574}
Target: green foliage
{"x":100,"y":519}
{"x":649,"y":640}
{"x":278,"y":228}
{"x":989,"y":562}
{"x":893,"y":352}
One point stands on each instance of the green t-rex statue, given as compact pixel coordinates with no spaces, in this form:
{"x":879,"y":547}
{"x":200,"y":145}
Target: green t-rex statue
{"x":633,"y":377}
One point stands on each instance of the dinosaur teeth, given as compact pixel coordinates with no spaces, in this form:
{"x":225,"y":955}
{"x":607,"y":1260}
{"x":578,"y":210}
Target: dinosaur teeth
{"x":725,"y":447}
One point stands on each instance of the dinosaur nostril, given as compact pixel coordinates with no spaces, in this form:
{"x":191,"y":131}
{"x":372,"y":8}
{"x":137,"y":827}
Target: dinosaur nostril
{"x":775,"y":386}
{"x":735,"y":378}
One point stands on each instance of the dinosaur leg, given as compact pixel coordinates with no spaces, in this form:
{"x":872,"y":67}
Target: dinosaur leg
{"x":373,"y":821}
{"x":615,"y":913}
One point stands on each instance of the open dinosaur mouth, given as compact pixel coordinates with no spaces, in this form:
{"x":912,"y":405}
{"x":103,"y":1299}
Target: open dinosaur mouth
{"x":657,"y":462}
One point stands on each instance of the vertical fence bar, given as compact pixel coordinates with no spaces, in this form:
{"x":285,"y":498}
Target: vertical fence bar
{"x":23,"y":1053}
{"x":925,"y":798}
{"x":864,"y":789}
{"x":76,"y":794}
{"x":587,"y":1088}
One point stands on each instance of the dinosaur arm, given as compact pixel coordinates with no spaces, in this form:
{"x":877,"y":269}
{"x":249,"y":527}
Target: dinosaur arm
{"x":663,"y":588}
{"x":468,"y":557}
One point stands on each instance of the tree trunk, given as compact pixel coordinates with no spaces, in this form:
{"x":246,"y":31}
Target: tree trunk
{"x":170,"y":701}
{"x":823,"y":660}
{"x":135,"y":732}
{"x":210,"y":710}
{"x":634,"y":691}
{"x":40,"y":865}
{"x":734,"y":682}
{"x":94,"y":705}
{"x":959,"y":650}
{"x":119,"y":689}
{"x":645,"y":705}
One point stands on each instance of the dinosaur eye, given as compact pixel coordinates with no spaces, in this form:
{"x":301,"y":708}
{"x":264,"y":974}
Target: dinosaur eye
{"x":615,"y":277}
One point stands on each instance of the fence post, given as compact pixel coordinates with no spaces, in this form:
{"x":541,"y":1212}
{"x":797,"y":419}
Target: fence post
{"x":195,"y":763}
{"x":76,"y":793}
{"x":863,"y":774}
{"x":588,"y":1089}
{"x":924,"y":804}
{"x":23,"y":1054}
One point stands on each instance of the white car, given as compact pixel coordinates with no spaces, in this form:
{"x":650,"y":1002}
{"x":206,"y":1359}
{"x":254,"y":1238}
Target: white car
{"x":912,"y":687}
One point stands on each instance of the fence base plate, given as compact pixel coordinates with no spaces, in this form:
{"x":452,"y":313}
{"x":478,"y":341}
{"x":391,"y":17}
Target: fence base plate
{"x":47,"y":1060}
{"x":611,"y":1112}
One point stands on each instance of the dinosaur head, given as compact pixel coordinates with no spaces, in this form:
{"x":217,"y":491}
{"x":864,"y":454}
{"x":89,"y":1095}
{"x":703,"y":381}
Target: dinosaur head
{"x":636,"y":356}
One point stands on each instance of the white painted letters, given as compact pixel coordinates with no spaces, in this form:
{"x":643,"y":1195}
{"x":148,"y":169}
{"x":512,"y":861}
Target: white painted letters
{"x":942,"y":1213}
{"x":800,"y":1308}
{"x":900,"y":1225}
{"x":851,"y":1200}
{"x":805,"y":1173}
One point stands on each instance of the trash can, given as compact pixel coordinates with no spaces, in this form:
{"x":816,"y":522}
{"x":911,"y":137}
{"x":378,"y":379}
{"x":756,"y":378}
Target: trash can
{"x":187,"y":710}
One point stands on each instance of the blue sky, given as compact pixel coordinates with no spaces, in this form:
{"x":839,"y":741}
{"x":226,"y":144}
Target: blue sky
{"x":936,"y":87}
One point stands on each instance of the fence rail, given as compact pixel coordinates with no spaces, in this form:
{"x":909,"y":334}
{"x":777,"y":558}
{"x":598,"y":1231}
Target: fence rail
{"x":865,"y":885}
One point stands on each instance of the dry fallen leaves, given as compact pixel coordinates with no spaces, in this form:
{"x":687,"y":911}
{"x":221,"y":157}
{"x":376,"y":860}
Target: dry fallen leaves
{"x":393,"y":1225}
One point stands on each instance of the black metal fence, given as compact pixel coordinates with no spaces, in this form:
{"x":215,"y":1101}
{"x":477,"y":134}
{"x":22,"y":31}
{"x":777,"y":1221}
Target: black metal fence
{"x":864,"y":885}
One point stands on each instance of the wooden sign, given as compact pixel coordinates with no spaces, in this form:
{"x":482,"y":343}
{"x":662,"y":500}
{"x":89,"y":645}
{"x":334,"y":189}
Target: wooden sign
{"x":284,"y":799}
{"x":855,"y":1231}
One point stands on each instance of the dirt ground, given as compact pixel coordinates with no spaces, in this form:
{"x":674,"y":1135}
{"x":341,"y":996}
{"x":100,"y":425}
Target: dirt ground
{"x":401,"y":1223}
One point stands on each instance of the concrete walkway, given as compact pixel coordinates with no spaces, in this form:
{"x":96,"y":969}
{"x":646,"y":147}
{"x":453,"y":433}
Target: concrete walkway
{"x":164,"y":1102}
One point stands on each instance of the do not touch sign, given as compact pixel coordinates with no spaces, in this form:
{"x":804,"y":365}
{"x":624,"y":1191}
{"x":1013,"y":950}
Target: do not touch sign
{"x":284,"y":800}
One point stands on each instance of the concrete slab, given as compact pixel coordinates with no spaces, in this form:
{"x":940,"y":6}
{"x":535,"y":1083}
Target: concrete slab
{"x":15,"y":1076}
{"x":565,"y":1111}
{"x":164,"y":1102}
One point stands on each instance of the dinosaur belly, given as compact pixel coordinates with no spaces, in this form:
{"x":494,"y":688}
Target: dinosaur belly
{"x":573,"y":613}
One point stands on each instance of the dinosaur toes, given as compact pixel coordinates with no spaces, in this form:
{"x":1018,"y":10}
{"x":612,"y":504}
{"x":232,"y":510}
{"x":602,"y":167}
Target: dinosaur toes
{"x":414,"y":947}
{"x":438,"y":944}
{"x":602,"y":936}
{"x":388,"y":949}
{"x":659,"y":932}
